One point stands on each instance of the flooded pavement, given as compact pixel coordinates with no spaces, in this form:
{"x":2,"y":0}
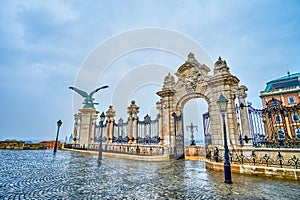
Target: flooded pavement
{"x":41,"y":174}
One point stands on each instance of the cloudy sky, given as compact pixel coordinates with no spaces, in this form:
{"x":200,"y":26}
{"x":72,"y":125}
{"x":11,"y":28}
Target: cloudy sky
{"x":45,"y":45}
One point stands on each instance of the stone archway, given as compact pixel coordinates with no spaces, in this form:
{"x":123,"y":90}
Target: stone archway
{"x":194,"y":81}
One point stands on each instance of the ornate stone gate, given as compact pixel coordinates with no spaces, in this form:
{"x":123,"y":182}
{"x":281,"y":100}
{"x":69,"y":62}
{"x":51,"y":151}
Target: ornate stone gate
{"x":194,"y":81}
{"x":165,"y":133}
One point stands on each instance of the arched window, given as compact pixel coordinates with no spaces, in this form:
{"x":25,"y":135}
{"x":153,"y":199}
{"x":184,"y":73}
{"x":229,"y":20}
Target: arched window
{"x":295,"y":117}
{"x":274,"y":102}
{"x":277,"y":118}
{"x":280,"y":133}
{"x":291,"y":100}
{"x":297,"y":133}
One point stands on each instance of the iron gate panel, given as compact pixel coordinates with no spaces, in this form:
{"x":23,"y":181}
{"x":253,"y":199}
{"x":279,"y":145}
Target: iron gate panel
{"x":179,"y":137}
{"x":179,"y":146}
{"x":206,"y":127}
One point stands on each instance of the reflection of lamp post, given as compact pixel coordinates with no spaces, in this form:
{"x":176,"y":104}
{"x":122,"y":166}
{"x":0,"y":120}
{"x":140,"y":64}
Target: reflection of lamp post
{"x":59,"y":123}
{"x":102,"y":117}
{"x":222,"y":101}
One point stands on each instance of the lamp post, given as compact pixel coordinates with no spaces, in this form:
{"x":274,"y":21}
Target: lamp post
{"x":222,"y":101}
{"x":192,"y":133}
{"x":59,"y":123}
{"x":102,"y":118}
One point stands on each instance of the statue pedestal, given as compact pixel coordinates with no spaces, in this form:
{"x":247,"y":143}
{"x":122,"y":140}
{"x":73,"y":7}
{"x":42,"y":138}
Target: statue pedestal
{"x":88,"y":117}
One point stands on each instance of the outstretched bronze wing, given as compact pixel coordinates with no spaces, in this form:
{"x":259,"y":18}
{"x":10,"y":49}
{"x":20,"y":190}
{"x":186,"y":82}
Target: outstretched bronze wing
{"x":93,"y":92}
{"x":82,"y":93}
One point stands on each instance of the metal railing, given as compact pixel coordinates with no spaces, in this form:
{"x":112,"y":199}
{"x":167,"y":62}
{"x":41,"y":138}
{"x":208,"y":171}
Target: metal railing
{"x":257,"y":160}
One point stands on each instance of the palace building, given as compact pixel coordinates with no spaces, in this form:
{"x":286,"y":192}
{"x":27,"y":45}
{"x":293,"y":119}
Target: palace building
{"x":281,"y":102}
{"x":285,"y":89}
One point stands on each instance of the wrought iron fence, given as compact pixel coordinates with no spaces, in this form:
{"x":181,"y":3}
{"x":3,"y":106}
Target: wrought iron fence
{"x":282,"y":125}
{"x":255,"y":124}
{"x":120,"y":132}
{"x":97,"y":132}
{"x":277,"y":144}
{"x":275,"y":126}
{"x":256,"y":160}
{"x":148,"y":131}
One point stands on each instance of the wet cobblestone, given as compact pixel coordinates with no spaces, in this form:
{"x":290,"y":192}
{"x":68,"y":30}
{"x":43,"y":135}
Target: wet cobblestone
{"x":70,"y":175}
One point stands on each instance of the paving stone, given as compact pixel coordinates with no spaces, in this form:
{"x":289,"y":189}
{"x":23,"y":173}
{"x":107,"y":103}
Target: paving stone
{"x":68,"y":175}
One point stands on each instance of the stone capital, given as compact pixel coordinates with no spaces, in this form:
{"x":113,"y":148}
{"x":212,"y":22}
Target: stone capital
{"x":241,"y":92}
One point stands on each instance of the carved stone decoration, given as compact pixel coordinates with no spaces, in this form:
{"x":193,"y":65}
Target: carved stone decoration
{"x":221,"y":66}
{"x":241,"y":91}
{"x":169,"y":82}
{"x":191,"y":74}
{"x":133,"y":109}
{"x":147,"y":119}
{"x":110,"y":113}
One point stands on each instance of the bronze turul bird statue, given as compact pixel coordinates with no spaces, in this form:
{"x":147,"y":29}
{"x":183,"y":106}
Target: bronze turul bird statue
{"x":89,"y":100}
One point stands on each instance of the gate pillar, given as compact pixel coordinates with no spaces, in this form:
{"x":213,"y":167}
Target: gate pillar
{"x":133,"y":110}
{"x":110,"y":114}
{"x":160,"y":122}
{"x":241,"y":92}
{"x":88,"y":117}
{"x":166,"y":120}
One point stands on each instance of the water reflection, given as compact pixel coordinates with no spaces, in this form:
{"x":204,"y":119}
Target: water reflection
{"x":70,"y":175}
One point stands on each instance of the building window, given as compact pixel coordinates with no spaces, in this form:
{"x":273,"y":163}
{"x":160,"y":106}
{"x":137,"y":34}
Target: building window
{"x":280,"y":133}
{"x":291,"y":100}
{"x":274,"y":102}
{"x":297,"y":133}
{"x":295,"y":117}
{"x":277,"y":118}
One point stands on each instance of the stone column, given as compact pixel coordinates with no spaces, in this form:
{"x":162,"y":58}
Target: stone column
{"x":167,"y":122}
{"x":133,"y":110}
{"x":130,"y":124}
{"x":93,"y":128}
{"x":160,"y":122}
{"x":231,"y":122}
{"x":244,"y":113}
{"x":110,"y":114}
{"x":178,"y":111}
